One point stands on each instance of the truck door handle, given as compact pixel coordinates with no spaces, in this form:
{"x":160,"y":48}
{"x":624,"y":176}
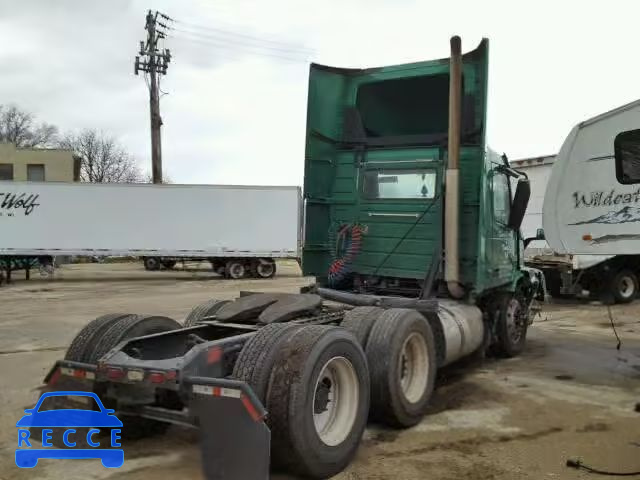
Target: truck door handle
{"x":405,"y":215}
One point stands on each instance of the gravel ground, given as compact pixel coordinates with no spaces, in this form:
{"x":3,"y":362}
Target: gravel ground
{"x":570,"y":395}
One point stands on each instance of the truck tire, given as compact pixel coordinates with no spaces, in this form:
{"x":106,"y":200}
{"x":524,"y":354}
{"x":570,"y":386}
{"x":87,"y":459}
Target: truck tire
{"x":235,"y":269}
{"x":401,"y":352}
{"x":151,"y":263}
{"x":86,"y":339}
{"x":204,"y":310}
{"x":511,"y":325}
{"x":360,"y":320}
{"x":318,"y":401}
{"x":258,"y":355}
{"x":129,"y":327}
{"x":263,"y":268}
{"x":624,"y":286}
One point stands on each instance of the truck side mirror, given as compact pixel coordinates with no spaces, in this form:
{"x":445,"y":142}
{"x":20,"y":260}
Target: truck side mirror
{"x":539,"y":236}
{"x":519,"y":204}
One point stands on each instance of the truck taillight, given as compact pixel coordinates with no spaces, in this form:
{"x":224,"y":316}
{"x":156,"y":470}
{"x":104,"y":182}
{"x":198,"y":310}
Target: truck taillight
{"x":157,"y":377}
{"x":114,"y":373}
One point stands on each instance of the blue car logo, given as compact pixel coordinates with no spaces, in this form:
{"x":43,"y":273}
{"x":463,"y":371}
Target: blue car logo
{"x":78,"y":431}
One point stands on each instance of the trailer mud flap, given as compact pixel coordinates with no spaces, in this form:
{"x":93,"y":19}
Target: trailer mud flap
{"x":234,"y":439}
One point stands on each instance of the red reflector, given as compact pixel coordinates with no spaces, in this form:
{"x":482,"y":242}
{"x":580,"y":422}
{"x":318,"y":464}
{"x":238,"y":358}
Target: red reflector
{"x":214,"y":355}
{"x":156,"y":377}
{"x":79,"y":373}
{"x":251,"y":410}
{"x":54,"y":378}
{"x":115,"y":373}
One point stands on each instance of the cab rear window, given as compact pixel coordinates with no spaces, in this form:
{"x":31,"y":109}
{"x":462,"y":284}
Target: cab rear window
{"x":406,"y":184}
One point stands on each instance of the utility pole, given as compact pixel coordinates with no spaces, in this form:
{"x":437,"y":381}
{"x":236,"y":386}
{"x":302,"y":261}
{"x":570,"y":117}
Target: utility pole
{"x":154,"y":63}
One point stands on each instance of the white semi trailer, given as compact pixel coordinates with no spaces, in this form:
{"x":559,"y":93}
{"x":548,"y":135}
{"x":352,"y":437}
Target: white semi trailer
{"x":241,"y":230}
{"x":591,"y":210}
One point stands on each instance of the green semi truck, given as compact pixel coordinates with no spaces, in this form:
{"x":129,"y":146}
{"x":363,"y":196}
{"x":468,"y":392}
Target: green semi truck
{"x":411,"y":227}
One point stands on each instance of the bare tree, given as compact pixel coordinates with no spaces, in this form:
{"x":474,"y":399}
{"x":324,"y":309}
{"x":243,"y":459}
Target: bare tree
{"x":19,"y":127}
{"x":102,"y":158}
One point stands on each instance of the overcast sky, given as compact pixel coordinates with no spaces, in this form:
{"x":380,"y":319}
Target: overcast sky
{"x":235,"y":116}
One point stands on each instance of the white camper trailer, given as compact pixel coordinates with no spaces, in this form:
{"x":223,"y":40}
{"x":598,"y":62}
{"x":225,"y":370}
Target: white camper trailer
{"x":591,"y":210}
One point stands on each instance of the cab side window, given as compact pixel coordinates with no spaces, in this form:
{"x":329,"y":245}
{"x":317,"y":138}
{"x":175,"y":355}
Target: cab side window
{"x":501,"y":198}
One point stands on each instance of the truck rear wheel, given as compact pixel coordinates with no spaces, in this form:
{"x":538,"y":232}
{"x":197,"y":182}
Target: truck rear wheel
{"x":511,"y":324}
{"x":87,"y":338}
{"x":624,"y":286}
{"x":151,"y":263}
{"x":360,"y":320}
{"x":402,"y":360}
{"x":318,"y":401}
{"x":257,"y":357}
{"x":204,"y":310}
{"x":129,"y":327}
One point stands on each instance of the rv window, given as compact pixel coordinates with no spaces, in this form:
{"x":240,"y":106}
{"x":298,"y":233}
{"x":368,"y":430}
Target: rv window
{"x":418,"y":184}
{"x":627,"y":152}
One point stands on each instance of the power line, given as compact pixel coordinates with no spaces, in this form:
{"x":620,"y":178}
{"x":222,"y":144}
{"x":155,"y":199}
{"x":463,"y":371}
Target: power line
{"x":260,"y":39}
{"x":245,"y":43}
{"x":225,"y":47}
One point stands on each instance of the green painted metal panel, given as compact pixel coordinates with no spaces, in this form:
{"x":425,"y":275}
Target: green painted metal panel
{"x":401,"y":113}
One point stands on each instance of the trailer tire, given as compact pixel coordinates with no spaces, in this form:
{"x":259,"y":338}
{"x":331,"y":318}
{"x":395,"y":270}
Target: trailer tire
{"x":510,"y":325}
{"x":316,"y":434}
{"x":263,"y":268}
{"x":360,"y":321}
{"x":623,"y":285}
{"x":204,"y":310}
{"x":151,"y":263}
{"x":257,"y":357}
{"x":129,"y":327}
{"x":235,"y":269}
{"x":401,"y":351}
{"x":91,"y":334}
{"x":168,"y":264}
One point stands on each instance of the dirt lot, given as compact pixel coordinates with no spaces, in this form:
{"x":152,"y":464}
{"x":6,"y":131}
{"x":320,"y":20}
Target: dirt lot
{"x":572,"y":394}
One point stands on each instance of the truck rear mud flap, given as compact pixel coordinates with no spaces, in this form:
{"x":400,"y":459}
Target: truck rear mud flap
{"x":234,"y":439}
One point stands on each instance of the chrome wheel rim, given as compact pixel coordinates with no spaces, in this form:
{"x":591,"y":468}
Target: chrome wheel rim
{"x":335,"y":401}
{"x":413,"y":368}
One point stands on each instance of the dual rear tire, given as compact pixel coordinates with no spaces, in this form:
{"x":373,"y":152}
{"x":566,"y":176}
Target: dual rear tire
{"x":320,"y":384}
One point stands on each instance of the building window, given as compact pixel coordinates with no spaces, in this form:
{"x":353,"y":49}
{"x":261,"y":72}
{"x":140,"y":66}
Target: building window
{"x":6,"y":171}
{"x":35,"y":173}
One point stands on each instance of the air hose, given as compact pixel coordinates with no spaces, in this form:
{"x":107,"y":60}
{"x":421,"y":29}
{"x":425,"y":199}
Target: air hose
{"x":348,"y":244}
